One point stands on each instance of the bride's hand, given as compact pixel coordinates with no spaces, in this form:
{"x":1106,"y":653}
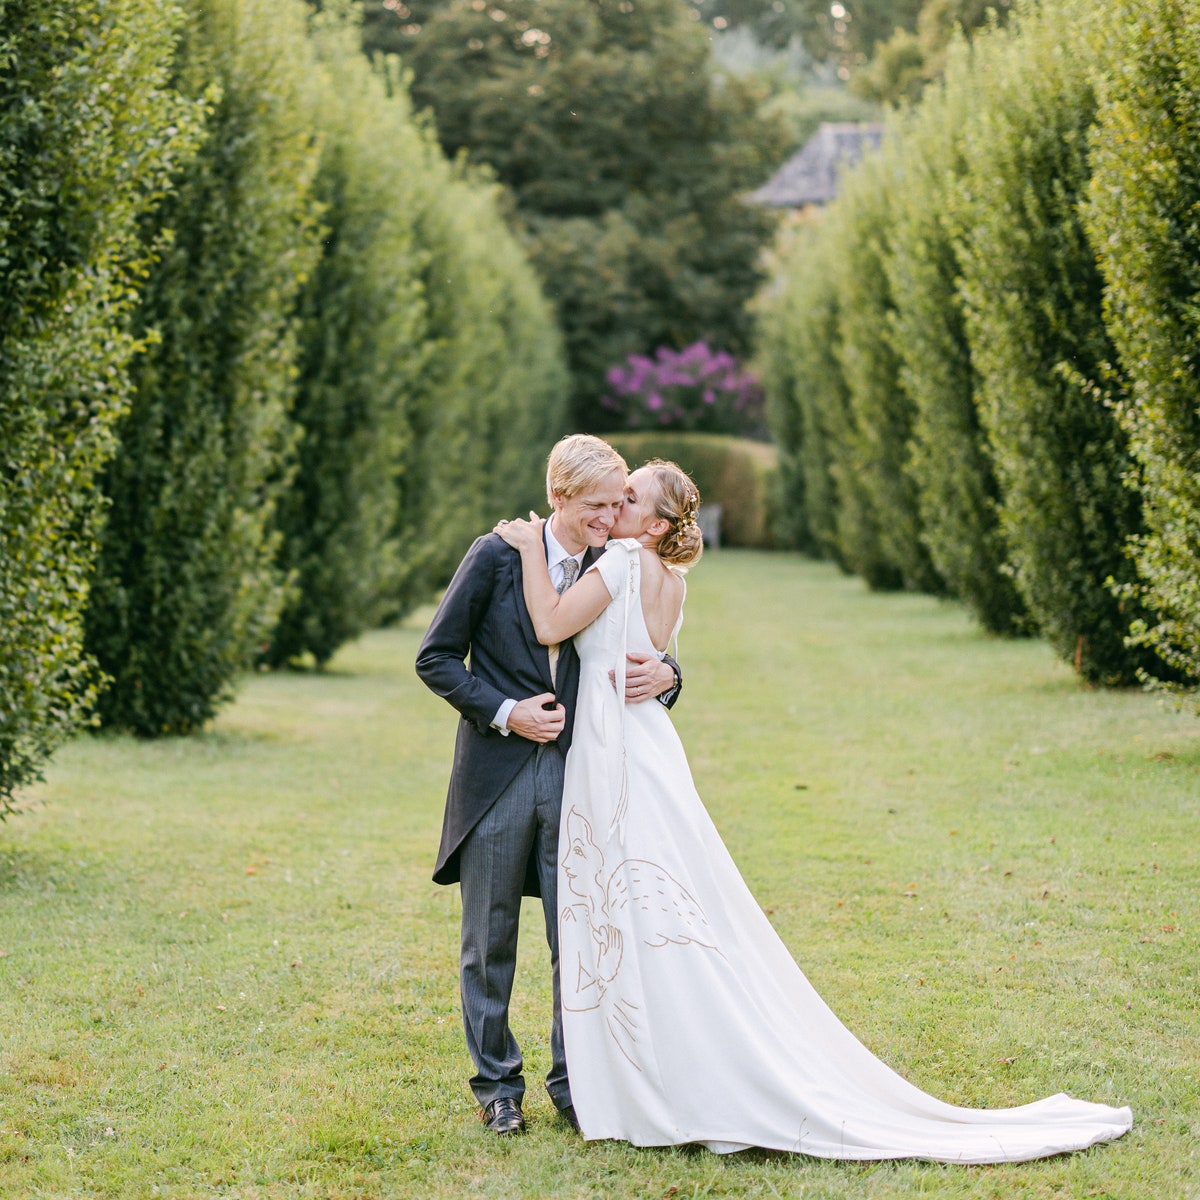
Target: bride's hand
{"x":520,"y":534}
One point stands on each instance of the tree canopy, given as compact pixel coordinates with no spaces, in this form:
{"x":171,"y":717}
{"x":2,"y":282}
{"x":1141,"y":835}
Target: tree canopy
{"x":625,"y":154}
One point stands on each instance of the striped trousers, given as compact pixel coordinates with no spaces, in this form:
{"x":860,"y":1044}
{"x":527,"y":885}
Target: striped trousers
{"x":523,"y":823}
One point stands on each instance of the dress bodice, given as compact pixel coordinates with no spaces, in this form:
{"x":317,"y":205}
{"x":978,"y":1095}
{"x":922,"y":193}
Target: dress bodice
{"x":622,"y":626}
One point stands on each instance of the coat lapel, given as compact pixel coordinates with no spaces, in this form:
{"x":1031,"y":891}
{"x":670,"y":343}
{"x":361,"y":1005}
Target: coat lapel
{"x":537,"y":652}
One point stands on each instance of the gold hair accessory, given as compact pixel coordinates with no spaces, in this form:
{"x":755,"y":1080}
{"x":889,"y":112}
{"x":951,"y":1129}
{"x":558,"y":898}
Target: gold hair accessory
{"x":687,"y":519}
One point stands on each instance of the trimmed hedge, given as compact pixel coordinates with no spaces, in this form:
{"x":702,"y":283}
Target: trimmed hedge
{"x":432,"y":377}
{"x":882,"y":533}
{"x":490,"y":400}
{"x":361,"y":348}
{"x":430,"y":373}
{"x":806,"y":392}
{"x":857,"y":520}
{"x":187,"y":587}
{"x":1032,"y":296}
{"x":1020,"y":433}
{"x":950,"y":461}
{"x":90,"y":132}
{"x":1144,"y":221}
{"x":740,"y":475}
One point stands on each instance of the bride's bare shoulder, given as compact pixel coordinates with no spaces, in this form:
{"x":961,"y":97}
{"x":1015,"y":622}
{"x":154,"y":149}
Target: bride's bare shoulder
{"x":652,"y":565}
{"x":666,"y":581}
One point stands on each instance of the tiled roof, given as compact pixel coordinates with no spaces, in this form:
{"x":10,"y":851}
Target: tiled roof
{"x":810,"y":175}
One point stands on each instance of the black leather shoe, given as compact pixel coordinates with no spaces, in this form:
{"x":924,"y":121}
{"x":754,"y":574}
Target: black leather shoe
{"x":503,"y":1116}
{"x":568,"y":1115}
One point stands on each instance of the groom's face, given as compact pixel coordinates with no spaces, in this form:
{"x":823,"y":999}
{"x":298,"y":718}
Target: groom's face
{"x":587,"y":517}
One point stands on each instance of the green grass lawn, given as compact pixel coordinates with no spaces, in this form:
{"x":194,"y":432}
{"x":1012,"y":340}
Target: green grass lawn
{"x":224,"y":970}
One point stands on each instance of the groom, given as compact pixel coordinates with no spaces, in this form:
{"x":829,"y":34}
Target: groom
{"x":517,"y":704}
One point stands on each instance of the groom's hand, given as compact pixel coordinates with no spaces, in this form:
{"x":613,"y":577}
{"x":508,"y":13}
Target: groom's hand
{"x":645,"y":677}
{"x":531,"y":719}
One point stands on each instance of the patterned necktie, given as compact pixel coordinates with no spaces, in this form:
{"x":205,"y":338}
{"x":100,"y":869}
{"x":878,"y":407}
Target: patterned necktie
{"x":570,"y":569}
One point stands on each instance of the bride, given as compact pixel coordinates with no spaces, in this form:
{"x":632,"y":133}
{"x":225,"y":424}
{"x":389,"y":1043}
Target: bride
{"x":685,"y":1017}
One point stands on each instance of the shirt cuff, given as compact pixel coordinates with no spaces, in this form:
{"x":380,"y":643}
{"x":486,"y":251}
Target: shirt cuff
{"x":500,"y":720}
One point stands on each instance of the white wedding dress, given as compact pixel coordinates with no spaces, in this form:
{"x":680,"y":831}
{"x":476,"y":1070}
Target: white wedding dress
{"x":685,"y":1017}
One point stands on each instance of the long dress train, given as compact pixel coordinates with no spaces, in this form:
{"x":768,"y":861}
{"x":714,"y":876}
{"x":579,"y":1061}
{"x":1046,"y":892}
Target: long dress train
{"x":685,"y":1018}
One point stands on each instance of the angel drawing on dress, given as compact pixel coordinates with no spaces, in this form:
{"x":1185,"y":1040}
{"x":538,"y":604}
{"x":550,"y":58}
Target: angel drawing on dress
{"x":636,"y":899}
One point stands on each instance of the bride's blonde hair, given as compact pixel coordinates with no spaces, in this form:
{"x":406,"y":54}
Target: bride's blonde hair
{"x":676,"y":501}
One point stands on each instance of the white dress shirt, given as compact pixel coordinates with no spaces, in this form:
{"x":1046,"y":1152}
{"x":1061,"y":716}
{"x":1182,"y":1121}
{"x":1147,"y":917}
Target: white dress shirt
{"x":555,"y":557}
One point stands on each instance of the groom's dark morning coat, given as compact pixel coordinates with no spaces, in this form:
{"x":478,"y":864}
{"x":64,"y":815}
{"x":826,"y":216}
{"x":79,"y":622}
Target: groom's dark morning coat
{"x":483,"y":616}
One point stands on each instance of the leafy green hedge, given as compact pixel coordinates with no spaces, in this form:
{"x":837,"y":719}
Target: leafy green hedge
{"x":950,"y":461}
{"x":491,"y":397}
{"x":90,"y":132}
{"x":882,"y":533}
{"x":857,"y":521}
{"x":361,"y":349}
{"x":345,"y":366}
{"x":806,"y":392}
{"x":432,"y":381}
{"x":1144,"y":220}
{"x":960,"y":252}
{"x":1032,"y":301}
{"x":740,"y":475}
{"x":187,"y":586}
{"x":353,"y":371}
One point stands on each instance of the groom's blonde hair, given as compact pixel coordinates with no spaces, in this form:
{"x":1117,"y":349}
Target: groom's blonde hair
{"x":578,"y":462}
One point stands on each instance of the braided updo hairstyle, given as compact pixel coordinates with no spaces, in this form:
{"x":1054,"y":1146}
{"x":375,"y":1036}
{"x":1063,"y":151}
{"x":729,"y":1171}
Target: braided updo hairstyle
{"x":676,"y":501}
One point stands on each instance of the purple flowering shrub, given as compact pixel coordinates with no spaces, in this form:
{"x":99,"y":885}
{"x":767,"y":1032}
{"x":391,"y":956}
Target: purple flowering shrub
{"x":695,"y":390}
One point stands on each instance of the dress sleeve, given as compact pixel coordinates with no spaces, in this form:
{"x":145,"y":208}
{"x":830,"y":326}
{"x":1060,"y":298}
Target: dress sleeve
{"x":613,"y":564}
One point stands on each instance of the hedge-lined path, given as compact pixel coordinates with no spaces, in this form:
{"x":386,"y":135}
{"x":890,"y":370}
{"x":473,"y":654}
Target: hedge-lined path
{"x":225,"y":972}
